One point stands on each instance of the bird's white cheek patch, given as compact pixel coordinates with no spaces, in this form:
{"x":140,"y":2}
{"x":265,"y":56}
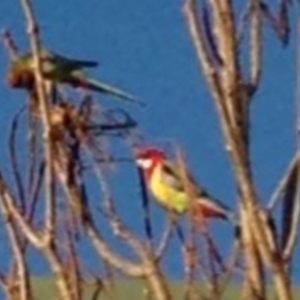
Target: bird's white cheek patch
{"x":144,"y":163}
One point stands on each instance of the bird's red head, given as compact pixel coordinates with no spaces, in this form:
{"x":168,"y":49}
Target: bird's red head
{"x":21,"y":79}
{"x":148,"y":158}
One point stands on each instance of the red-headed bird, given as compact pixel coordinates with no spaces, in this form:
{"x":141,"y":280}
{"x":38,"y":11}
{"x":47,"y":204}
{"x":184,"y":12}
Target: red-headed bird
{"x":59,"y":69}
{"x":165,"y":182}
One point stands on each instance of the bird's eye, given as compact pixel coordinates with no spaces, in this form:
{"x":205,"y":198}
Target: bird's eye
{"x":144,"y":163}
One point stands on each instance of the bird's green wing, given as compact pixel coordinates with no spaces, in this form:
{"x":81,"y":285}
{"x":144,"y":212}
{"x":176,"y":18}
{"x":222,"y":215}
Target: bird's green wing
{"x":53,"y":65}
{"x":70,"y":63}
{"x":60,"y":68}
{"x":208,"y":204}
{"x":171,"y":177}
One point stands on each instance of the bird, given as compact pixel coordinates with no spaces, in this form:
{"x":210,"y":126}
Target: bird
{"x":165,"y":182}
{"x":58,"y":69}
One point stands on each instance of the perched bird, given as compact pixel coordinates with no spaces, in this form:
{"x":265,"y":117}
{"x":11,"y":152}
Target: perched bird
{"x":165,"y":182}
{"x":59,"y":69}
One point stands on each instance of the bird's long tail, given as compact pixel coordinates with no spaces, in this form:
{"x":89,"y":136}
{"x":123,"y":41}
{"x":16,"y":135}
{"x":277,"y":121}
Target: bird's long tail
{"x":92,"y":84}
{"x":208,"y":208}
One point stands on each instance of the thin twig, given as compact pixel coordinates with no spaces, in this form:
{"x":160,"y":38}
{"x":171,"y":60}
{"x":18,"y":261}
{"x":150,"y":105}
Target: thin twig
{"x":14,"y":160}
{"x":21,"y":276}
{"x":146,"y":207}
{"x":280,"y":187}
{"x":8,"y":200}
{"x":255,"y":28}
{"x":10,"y":44}
{"x":166,"y":236}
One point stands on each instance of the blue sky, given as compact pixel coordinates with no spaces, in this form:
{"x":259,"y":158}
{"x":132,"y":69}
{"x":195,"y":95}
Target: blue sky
{"x":144,"y":47}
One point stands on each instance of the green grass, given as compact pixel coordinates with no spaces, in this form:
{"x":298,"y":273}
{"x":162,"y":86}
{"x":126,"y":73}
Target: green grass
{"x":130,"y":289}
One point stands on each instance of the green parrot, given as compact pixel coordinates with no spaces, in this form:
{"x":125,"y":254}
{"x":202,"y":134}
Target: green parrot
{"x":59,"y":69}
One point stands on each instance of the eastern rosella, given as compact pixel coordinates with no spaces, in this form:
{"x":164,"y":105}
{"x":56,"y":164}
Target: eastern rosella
{"x":58,"y":69}
{"x":165,"y":182}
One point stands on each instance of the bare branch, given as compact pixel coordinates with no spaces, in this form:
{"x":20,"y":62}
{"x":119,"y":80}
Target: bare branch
{"x":21,"y":278}
{"x":108,"y":254}
{"x":146,"y":207}
{"x":166,"y":236}
{"x":14,"y":160}
{"x":255,"y":28}
{"x":232,"y":101}
{"x":196,"y":29}
{"x":281,"y":186}
{"x":9,"y":44}
{"x":33,"y":32}
{"x":9,"y":204}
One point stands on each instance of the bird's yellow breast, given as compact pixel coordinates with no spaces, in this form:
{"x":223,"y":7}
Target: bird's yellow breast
{"x":165,"y":194}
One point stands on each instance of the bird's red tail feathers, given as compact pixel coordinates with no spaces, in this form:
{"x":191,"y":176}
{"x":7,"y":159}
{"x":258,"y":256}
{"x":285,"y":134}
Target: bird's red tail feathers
{"x":209,"y":210}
